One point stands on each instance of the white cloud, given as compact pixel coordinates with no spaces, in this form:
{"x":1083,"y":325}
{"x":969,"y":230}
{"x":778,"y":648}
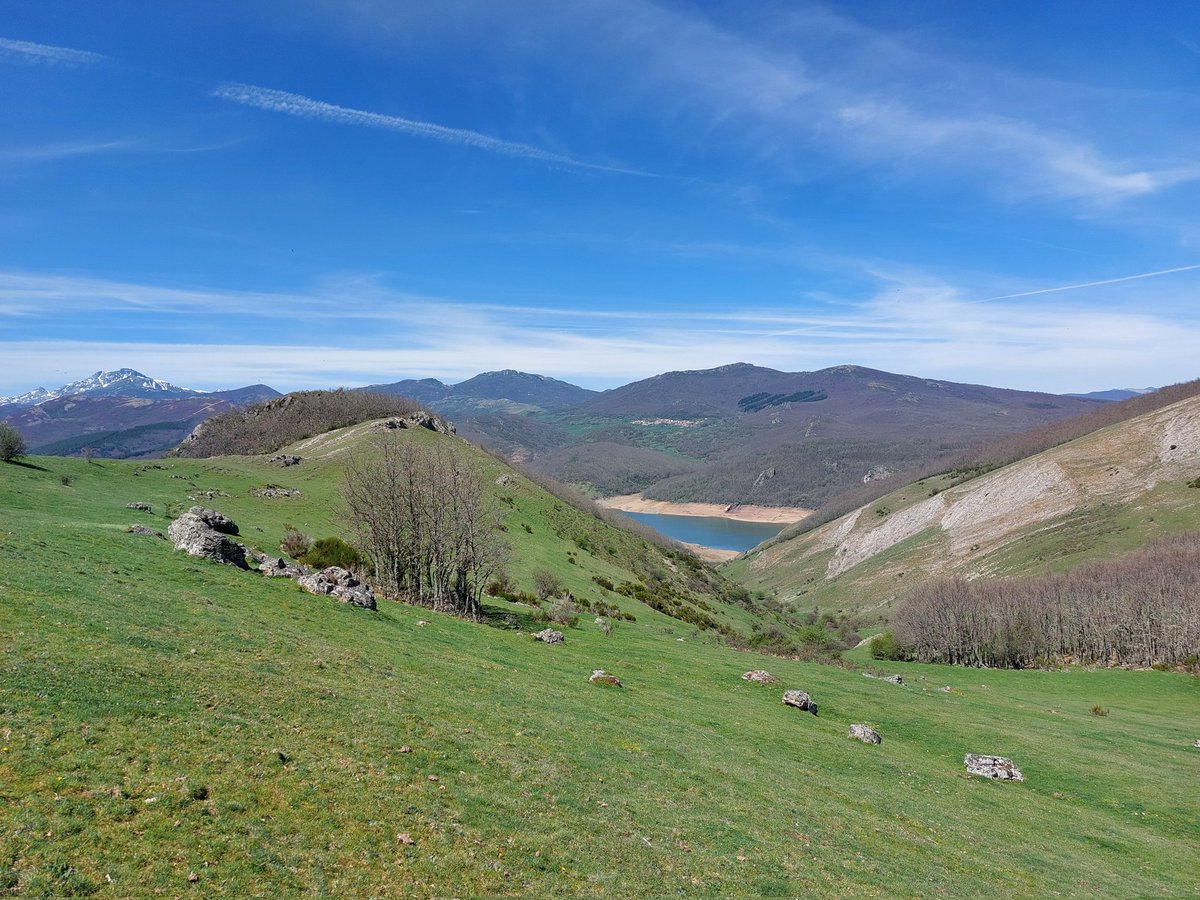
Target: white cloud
{"x":308,"y":108}
{"x":46,"y":54}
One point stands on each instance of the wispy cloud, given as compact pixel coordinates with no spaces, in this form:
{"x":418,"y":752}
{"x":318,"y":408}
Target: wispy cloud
{"x":46,"y":54}
{"x":912,"y":323}
{"x":52,"y":152}
{"x":318,"y":110}
{"x":1091,"y":284}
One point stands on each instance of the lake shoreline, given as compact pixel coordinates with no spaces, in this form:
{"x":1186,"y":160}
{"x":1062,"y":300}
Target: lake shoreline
{"x":771,"y":515}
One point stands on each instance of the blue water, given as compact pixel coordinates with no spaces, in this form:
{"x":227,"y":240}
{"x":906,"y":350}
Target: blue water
{"x":721,"y":534}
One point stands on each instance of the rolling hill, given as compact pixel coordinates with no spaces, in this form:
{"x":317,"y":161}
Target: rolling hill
{"x":174,"y":727}
{"x":506,"y":391}
{"x":746,"y":434}
{"x":1094,"y":497}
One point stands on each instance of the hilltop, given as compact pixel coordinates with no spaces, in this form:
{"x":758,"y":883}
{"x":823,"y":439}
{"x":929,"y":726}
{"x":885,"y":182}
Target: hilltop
{"x":172,"y":726}
{"x":506,"y":391}
{"x":1109,"y":491}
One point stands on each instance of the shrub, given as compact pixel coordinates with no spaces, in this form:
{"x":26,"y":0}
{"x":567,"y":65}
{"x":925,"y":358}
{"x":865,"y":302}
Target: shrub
{"x":603,"y":582}
{"x":295,"y":544}
{"x":1098,"y":710}
{"x":333,"y":551}
{"x":563,"y":611}
{"x":12,"y":445}
{"x":885,"y":646}
{"x":546,"y":584}
{"x":64,"y":480}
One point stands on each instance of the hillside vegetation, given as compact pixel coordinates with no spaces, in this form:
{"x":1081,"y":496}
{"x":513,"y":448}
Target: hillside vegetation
{"x":1094,"y":497}
{"x":170,"y":727}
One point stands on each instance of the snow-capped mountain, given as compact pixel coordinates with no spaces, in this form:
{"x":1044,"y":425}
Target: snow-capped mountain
{"x":118,"y":383}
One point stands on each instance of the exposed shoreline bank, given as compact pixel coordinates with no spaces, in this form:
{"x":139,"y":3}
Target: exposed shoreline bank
{"x":774,"y":515}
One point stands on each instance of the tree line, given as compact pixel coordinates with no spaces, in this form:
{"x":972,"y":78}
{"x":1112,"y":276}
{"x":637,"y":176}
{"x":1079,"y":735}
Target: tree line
{"x":1140,"y":610}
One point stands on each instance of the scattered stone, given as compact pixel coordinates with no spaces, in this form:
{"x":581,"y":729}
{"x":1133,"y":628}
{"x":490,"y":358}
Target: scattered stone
{"x":207,"y":495}
{"x":277,"y":567}
{"x":433,"y":778}
{"x":549,"y":636}
{"x":142,"y":529}
{"x":505,"y":481}
{"x":405,"y":838}
{"x":275,"y":492}
{"x":195,"y":534}
{"x":144,"y":507}
{"x":422,"y":623}
{"x":866,"y":734}
{"x":945,"y":690}
{"x":800,"y":700}
{"x":337,"y":582}
{"x":1196,"y":743}
{"x":760,"y":676}
{"x":599,"y":676}
{"x":890,"y":679}
{"x":406,"y":749}
{"x":285,"y":459}
{"x":999,"y":768}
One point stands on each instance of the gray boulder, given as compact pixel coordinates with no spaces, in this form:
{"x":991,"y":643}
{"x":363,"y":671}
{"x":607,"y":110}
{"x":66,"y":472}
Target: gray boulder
{"x":285,"y":459}
{"x":144,"y":507}
{"x":800,"y":700}
{"x":277,"y":567}
{"x":337,"y":582}
{"x":866,"y":734}
{"x":549,"y":636}
{"x":214,"y":520}
{"x":196,"y":537}
{"x":999,"y":768}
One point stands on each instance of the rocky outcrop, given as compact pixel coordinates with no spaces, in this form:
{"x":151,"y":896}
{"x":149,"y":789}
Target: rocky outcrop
{"x":760,"y":676}
{"x":599,"y":676}
{"x":801,"y":700}
{"x":866,"y":734}
{"x":196,"y":532}
{"x":419,"y":419}
{"x":144,"y":507}
{"x":337,"y":582}
{"x":999,"y":768}
{"x":549,"y":636}
{"x":275,"y":492}
{"x":278,"y":567}
{"x":285,"y":460}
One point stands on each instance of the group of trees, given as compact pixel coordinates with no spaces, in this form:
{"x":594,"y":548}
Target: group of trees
{"x":1140,"y":610}
{"x":422,"y":516}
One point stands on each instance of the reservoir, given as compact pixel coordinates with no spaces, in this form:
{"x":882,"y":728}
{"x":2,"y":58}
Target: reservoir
{"x":721,"y":534}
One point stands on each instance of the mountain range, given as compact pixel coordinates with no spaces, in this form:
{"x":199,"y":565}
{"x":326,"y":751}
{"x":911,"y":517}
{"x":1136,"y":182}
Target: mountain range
{"x":117,"y":383}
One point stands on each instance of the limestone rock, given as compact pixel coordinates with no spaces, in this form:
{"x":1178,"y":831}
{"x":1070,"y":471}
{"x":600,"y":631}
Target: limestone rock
{"x":277,"y":567}
{"x":549,"y":636}
{"x":337,"y":582}
{"x":505,"y":481}
{"x":142,"y":529}
{"x":760,"y":676}
{"x":890,"y":679}
{"x":275,"y":492}
{"x":866,"y":734}
{"x":144,"y":507}
{"x":800,"y":700}
{"x":599,"y":676}
{"x":214,"y":520}
{"x":999,"y":768}
{"x":193,"y":534}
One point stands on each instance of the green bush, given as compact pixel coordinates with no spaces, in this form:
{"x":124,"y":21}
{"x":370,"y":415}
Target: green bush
{"x":885,"y":646}
{"x":333,"y":551}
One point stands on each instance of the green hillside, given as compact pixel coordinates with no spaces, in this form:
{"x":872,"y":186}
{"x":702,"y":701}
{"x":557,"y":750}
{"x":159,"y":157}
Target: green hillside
{"x":170,"y":727}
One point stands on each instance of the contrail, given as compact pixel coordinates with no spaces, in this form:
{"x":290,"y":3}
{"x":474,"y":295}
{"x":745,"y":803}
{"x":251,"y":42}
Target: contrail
{"x":47,"y":53}
{"x":1075,"y":287}
{"x":308,"y":108}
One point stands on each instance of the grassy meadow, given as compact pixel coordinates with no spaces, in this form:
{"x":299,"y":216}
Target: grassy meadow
{"x":175,"y":728}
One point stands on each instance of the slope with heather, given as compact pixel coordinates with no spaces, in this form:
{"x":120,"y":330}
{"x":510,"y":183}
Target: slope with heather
{"x":1107,"y":492}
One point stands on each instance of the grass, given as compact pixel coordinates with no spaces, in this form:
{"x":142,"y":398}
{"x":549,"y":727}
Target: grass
{"x":162,"y":718}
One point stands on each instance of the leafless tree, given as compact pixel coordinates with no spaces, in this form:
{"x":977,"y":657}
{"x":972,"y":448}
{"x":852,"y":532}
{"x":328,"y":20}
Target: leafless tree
{"x":422,"y":515}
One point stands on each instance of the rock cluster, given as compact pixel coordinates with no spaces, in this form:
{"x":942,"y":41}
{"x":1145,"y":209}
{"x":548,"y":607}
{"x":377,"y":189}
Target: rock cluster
{"x":800,"y":700}
{"x":204,"y":533}
{"x":760,"y":676}
{"x":278,"y":567}
{"x":337,"y":582}
{"x":890,"y":679}
{"x":285,"y":459}
{"x":144,"y":507}
{"x":419,"y":419}
{"x":1000,"y":768}
{"x":866,"y":734}
{"x":274,"y":491}
{"x":142,"y":529}
{"x":549,"y":636}
{"x":599,"y":676}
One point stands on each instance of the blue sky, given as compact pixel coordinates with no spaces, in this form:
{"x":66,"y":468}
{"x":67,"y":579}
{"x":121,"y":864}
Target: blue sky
{"x":311,"y":193}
